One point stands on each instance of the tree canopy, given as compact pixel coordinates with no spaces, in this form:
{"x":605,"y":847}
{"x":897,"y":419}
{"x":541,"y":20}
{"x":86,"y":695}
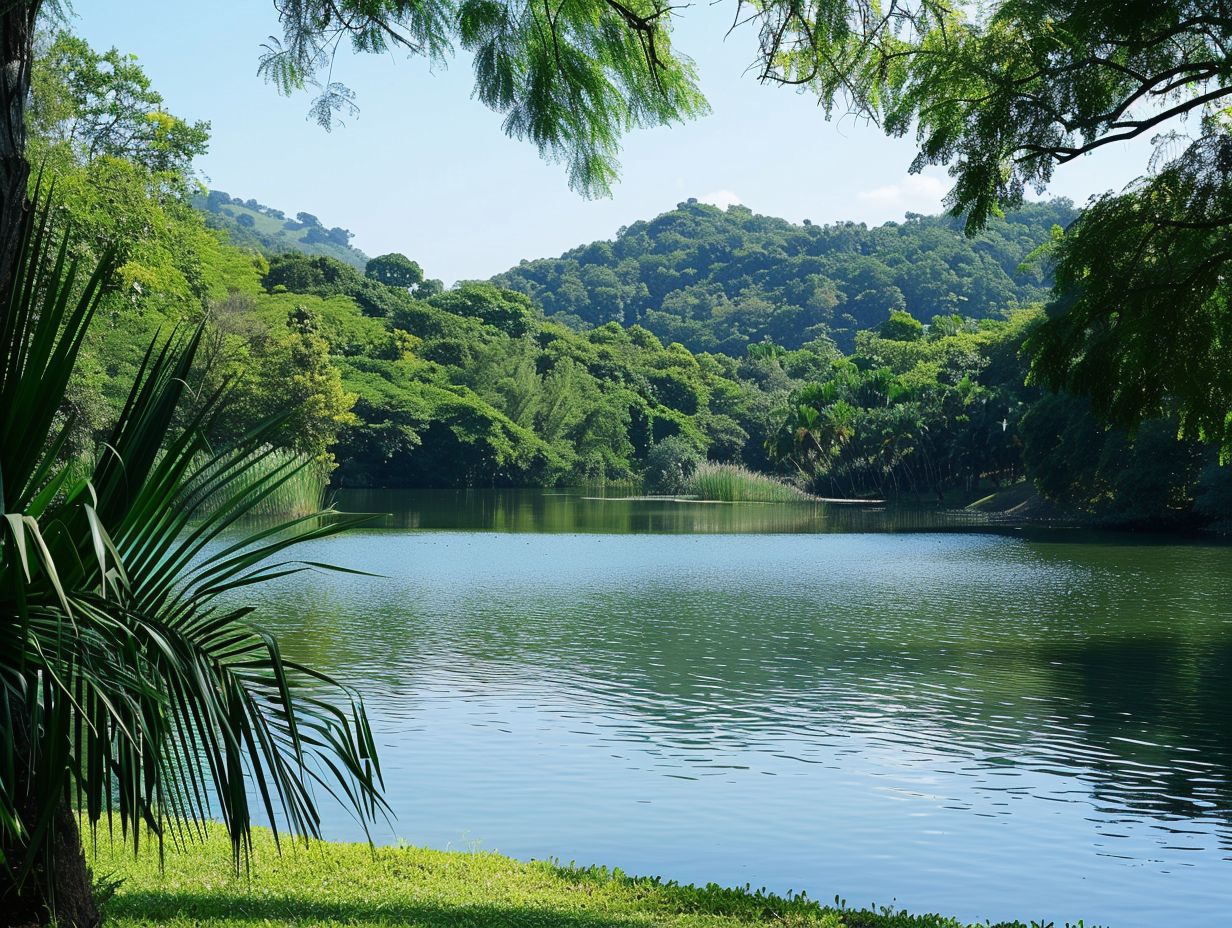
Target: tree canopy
{"x":1002,"y":94}
{"x":101,"y":104}
{"x":719,"y":280}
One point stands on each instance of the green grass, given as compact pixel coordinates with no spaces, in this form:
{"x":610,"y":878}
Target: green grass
{"x":732,"y":483}
{"x":326,"y":884}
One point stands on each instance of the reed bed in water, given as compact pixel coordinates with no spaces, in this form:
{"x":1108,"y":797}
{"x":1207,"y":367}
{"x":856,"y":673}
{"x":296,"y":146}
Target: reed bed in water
{"x":301,"y":493}
{"x":732,"y":483}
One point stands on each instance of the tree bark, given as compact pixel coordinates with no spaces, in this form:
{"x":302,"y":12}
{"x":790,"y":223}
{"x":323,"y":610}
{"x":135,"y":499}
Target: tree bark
{"x":62,"y":880}
{"x":59,"y":882}
{"x":17,"y":22}
{"x":67,"y":888}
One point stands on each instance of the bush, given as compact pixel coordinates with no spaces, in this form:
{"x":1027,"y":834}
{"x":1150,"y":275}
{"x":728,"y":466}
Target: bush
{"x":669,"y":465}
{"x":901,"y":327}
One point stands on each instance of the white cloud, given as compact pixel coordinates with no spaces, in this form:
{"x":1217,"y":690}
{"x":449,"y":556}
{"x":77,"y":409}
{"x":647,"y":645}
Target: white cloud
{"x":722,"y":199}
{"x":916,"y":192}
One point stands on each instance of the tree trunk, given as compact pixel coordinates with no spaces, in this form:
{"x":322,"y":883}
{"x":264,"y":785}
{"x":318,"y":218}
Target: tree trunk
{"x":60,"y":881}
{"x":17,"y":20}
{"x":67,"y":889}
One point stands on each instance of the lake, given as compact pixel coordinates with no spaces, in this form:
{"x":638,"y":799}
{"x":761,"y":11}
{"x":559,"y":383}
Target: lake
{"x":895,"y":706}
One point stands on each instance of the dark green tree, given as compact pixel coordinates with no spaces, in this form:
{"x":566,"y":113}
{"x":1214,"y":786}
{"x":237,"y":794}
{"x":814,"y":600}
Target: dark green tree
{"x":670,"y":464}
{"x":396,"y":270}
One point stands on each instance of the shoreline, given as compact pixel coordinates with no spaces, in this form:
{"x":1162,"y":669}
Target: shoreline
{"x":324,"y":883}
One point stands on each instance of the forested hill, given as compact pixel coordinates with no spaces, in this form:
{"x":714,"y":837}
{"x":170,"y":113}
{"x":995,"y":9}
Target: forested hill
{"x":270,"y":231}
{"x":715,"y":280}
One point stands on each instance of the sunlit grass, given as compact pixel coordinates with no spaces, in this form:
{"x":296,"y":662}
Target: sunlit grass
{"x":326,"y":884}
{"x":732,"y":483}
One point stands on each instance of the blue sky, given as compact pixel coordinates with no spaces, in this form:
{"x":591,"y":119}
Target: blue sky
{"x":426,"y":171}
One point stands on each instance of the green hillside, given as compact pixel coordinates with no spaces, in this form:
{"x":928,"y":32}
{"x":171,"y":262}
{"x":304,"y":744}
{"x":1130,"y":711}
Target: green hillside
{"x":250,"y":224}
{"x":716,"y":280}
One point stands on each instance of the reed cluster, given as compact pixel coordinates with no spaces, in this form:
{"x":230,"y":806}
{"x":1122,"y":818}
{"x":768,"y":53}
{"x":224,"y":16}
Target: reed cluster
{"x":302,"y":488}
{"x":733,"y":483}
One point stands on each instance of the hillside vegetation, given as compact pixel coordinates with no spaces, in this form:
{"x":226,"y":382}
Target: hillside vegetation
{"x":796,"y":351}
{"x":717,"y":280}
{"x":250,"y":224}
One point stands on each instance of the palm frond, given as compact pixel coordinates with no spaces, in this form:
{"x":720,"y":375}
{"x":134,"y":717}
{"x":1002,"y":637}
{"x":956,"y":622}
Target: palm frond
{"x":132,"y":676}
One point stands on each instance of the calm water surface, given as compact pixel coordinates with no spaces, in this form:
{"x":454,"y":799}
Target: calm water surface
{"x":894,"y":707}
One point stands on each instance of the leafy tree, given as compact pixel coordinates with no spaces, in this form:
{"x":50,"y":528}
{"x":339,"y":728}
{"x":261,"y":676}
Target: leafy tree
{"x":396,"y":270}
{"x":1142,"y":323}
{"x":502,"y":309}
{"x":670,"y":464}
{"x":292,"y":379}
{"x":101,"y":105}
{"x":569,"y":80}
{"x":901,"y":327}
{"x":1149,"y":478}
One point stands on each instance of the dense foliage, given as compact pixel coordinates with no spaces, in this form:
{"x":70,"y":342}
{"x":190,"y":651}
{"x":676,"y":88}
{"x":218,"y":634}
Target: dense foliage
{"x":1003,"y":93}
{"x":947,"y":412}
{"x":718,"y":280}
{"x":473,"y":386}
{"x":576,"y":369}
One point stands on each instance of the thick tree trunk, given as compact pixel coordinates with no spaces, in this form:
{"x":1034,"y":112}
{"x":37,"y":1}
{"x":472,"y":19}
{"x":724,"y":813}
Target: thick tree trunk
{"x":59,"y":882}
{"x":17,"y":20}
{"x":67,"y":889}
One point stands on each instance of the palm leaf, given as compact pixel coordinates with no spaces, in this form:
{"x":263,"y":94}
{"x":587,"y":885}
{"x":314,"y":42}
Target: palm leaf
{"x":132,"y":677}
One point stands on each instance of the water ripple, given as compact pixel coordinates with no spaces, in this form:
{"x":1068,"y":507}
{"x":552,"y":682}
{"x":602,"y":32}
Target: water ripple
{"x":993,"y":726}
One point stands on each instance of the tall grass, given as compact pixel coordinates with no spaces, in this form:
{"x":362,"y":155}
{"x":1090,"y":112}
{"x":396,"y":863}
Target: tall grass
{"x":302,"y":493}
{"x":732,"y":483}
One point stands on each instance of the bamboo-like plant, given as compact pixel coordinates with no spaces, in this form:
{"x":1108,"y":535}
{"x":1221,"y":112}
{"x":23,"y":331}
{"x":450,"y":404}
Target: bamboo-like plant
{"x":133,"y":684}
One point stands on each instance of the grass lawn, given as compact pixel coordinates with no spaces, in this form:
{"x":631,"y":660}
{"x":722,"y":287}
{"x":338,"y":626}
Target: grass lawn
{"x":349,"y":884}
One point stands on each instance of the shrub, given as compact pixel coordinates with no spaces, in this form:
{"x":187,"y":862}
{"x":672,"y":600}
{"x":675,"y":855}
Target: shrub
{"x":669,"y":465}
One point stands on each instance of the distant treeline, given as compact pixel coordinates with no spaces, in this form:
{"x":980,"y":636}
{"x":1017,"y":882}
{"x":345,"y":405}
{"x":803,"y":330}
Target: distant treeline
{"x":848,"y":360}
{"x":251,"y":224}
{"x":718,"y":280}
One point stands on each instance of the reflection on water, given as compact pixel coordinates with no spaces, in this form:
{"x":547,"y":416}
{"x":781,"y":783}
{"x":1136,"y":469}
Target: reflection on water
{"x":986,"y":725}
{"x":613,"y":512}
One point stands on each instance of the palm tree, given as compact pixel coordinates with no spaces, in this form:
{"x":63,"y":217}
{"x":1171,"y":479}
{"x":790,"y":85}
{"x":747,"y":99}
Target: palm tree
{"x":133,"y":685}
{"x":816,"y":428}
